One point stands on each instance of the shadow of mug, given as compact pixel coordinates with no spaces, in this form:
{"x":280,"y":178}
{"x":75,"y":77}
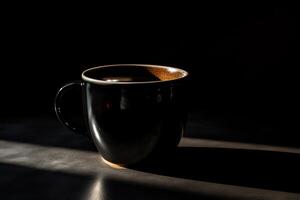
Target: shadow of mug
{"x":252,"y":168}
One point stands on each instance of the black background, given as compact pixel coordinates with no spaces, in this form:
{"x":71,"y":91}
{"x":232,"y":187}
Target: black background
{"x":242,"y":58}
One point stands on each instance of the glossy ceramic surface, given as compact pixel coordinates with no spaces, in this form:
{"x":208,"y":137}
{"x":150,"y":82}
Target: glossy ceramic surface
{"x":129,"y":120}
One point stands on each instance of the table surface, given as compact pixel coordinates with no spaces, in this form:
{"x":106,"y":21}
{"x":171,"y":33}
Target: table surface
{"x":40,"y":159}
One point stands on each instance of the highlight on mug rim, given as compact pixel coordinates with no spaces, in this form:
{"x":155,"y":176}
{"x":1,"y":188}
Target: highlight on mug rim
{"x":171,"y":71}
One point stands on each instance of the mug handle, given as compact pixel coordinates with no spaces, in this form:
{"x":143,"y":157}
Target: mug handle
{"x":69,"y":107}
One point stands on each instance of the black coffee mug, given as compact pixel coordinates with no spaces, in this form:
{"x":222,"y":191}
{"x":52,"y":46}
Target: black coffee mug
{"x":130,"y":111}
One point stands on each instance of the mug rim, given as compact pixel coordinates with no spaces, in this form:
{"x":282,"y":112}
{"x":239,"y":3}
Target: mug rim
{"x":97,"y":81}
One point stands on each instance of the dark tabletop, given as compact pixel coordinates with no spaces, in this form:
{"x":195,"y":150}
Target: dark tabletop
{"x":40,"y":159}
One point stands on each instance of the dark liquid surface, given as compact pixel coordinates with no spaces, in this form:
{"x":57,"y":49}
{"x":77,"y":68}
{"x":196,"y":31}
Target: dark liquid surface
{"x":129,"y":78}
{"x":123,"y":74}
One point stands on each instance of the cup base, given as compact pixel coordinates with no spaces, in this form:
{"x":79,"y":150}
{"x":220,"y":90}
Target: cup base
{"x":112,"y":165}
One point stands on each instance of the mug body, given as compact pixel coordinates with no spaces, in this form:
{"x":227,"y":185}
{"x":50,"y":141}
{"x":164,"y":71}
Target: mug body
{"x":131,"y":114}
